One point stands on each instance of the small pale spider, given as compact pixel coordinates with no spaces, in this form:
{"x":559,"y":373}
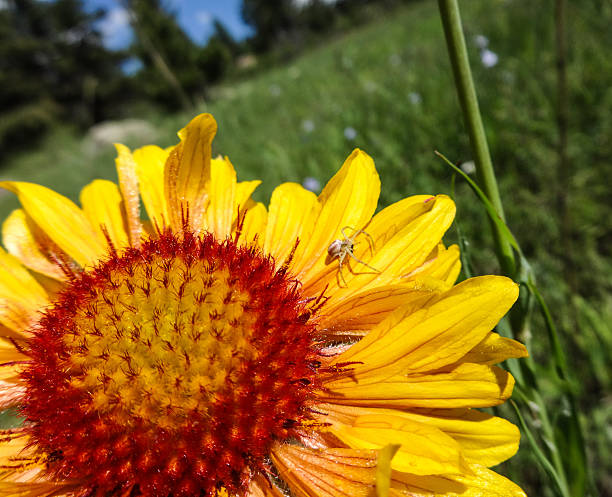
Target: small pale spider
{"x":340,"y":248}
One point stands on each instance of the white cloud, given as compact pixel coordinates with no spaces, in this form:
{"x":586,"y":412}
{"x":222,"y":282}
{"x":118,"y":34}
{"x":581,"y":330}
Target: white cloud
{"x":115,"y":27}
{"x":204,"y":17}
{"x":303,"y":3}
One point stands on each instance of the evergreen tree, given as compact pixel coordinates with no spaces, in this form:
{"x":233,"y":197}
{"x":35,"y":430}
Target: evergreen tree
{"x":217,"y":56}
{"x":272,"y":20}
{"x":170,"y":73}
{"x":53,"y":65}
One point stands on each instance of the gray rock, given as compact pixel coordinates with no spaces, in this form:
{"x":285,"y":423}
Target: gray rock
{"x":135,"y":132}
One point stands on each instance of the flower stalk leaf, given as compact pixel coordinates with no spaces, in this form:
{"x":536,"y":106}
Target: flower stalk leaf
{"x":514,"y":264}
{"x":457,"y":51}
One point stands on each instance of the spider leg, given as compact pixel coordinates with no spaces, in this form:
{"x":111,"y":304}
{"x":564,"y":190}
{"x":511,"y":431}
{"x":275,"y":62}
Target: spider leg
{"x":355,"y":233}
{"x":363,"y":263}
{"x":370,"y":241}
{"x":341,"y":276}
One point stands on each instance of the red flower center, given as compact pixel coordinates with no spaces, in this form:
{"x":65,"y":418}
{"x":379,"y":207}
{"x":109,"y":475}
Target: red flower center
{"x":170,"y":369}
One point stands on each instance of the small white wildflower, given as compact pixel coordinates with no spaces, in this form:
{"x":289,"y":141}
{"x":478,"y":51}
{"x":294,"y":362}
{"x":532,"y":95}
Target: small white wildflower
{"x":312,"y":184}
{"x":369,"y":86}
{"x":274,"y":90}
{"x":308,"y":125}
{"x":481,"y":41}
{"x":468,"y":167}
{"x":395,"y":59}
{"x":488,"y":58}
{"x":350,"y":133}
{"x":415,"y":98}
{"x":508,"y":77}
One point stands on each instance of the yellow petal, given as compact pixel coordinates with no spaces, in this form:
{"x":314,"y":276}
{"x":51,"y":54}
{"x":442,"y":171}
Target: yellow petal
{"x":484,"y":482}
{"x":476,"y":482}
{"x":187,"y":172}
{"x":26,"y":241}
{"x":150,"y":161}
{"x":12,"y":445}
{"x":494,"y":349}
{"x":443,"y":264}
{"x":424,"y":450}
{"x":35,"y":489}
{"x":222,"y":191}
{"x":254,"y":226}
{"x":327,"y":472}
{"x":21,"y":297}
{"x":468,"y":385}
{"x":8,"y":352}
{"x":483,"y":439}
{"x":260,"y":487}
{"x":383,"y":469}
{"x":292,"y":214}
{"x":9,"y":333}
{"x":411,"y":242}
{"x":404,"y":228}
{"x":436,"y":334}
{"x":11,"y":394}
{"x":243,"y":201}
{"x":61,"y":220}
{"x":244,"y":190}
{"x":102,"y":203}
{"x":402,"y":235}
{"x":20,"y":465}
{"x":363,"y":311}
{"x":128,"y":183}
{"x":9,"y":373}
{"x":398,"y":216}
{"x":348,"y":199}
{"x":12,"y":388}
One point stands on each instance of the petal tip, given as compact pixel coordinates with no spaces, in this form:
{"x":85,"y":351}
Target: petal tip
{"x":121,"y":149}
{"x":205,"y":122}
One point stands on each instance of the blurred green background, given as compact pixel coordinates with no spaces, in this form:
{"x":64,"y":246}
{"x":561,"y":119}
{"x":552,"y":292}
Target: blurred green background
{"x":377,"y":77}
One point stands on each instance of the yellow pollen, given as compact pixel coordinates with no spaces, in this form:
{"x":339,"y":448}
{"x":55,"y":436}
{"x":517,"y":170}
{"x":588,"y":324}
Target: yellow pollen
{"x":178,"y":334}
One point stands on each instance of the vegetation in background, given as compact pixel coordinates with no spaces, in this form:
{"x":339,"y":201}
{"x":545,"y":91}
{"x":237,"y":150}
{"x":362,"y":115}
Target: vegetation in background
{"x":169,"y":73}
{"x":53,"y":67}
{"x":387,"y":88}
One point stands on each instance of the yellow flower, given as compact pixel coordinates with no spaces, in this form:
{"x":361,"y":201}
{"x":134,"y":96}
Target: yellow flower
{"x":312,"y":348}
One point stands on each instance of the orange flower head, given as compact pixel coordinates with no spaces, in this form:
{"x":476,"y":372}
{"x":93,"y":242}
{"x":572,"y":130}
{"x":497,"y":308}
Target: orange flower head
{"x":222,"y":348}
{"x":172,"y":366}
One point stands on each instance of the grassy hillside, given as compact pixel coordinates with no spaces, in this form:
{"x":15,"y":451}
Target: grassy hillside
{"x":387,"y":89}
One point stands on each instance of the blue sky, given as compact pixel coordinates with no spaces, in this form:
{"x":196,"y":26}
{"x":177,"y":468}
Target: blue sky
{"x":195,"y":16}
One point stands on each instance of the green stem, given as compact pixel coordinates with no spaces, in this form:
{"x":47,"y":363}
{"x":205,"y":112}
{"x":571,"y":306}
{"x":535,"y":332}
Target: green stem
{"x":540,"y":456}
{"x":453,"y":30}
{"x":504,"y":242}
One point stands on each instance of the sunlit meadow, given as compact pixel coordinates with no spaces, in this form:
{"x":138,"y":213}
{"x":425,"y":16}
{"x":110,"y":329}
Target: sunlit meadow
{"x":388,"y":89}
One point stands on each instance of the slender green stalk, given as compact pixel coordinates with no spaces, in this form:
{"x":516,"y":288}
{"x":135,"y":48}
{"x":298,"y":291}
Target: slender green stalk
{"x":506,"y":247}
{"x":453,"y":30}
{"x":540,"y":456}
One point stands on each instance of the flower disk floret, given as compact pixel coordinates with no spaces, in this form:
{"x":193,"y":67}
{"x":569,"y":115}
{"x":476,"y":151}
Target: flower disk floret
{"x":218,"y":348}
